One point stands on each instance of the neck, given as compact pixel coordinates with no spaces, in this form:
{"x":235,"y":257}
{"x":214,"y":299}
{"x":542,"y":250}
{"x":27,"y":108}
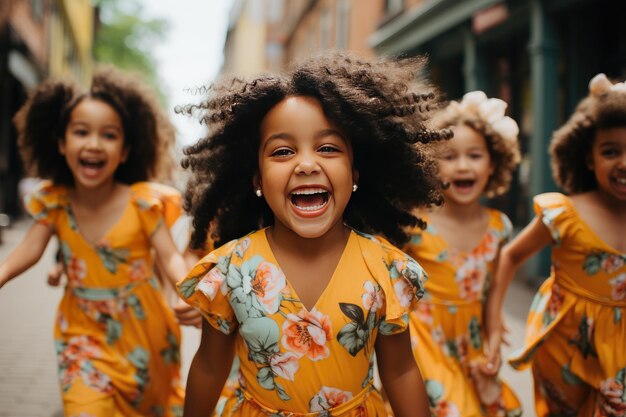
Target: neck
{"x":461,"y":212}
{"x":613,"y":204}
{"x":94,"y":196}
{"x":289,"y":241}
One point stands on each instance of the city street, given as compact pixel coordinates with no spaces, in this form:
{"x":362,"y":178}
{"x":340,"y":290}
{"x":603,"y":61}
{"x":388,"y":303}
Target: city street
{"x":28,"y":383}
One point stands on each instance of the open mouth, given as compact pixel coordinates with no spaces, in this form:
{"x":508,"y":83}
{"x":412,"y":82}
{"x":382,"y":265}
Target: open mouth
{"x":463,"y":184}
{"x":91,"y":166}
{"x":309,"y":199}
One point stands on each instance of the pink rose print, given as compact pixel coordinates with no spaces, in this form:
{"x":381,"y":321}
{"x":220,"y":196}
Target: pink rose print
{"x":612,"y":263}
{"x":307,"y":334}
{"x":404,"y":291}
{"x":138,"y":270}
{"x":267,"y":284}
{"x":373,"y":299}
{"x":446,"y":408}
{"x":285,"y":364}
{"x":618,"y":291}
{"x":76,"y":269}
{"x":328,"y":398}
{"x":211,"y":283}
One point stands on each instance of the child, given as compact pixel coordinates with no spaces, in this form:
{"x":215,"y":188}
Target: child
{"x":305,"y":301}
{"x":117,"y":340}
{"x":459,"y":249}
{"x":576,"y":331}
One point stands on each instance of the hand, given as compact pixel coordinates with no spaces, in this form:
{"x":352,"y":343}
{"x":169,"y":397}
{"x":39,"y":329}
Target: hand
{"x":496,"y":336}
{"x":55,"y":273}
{"x":187,"y":315}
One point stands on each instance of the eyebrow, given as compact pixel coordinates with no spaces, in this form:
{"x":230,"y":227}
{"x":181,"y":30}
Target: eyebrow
{"x":80,"y":122}
{"x":319,"y":135}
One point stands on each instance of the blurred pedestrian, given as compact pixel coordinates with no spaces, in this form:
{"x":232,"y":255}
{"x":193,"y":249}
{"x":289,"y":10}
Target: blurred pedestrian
{"x":459,"y":250}
{"x":576,"y":329}
{"x":117,"y":340}
{"x":292,"y":163}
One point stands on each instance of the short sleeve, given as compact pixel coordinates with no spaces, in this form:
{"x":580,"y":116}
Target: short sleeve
{"x":156,"y":206}
{"x":555,"y":212}
{"x":205,"y":288}
{"x":401,"y":279}
{"x":506,"y":232}
{"x":43,"y":203}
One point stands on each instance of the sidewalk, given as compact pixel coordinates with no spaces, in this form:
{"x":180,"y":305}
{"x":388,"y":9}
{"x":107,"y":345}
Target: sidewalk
{"x":28,"y":382}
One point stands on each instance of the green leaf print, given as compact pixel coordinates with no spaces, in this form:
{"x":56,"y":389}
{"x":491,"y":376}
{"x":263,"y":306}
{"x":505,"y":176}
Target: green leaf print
{"x":114,"y":330}
{"x":569,"y":377}
{"x":112,"y":257}
{"x":171,"y":354}
{"x":353,"y":336}
{"x":416,"y":239}
{"x":135,"y":304}
{"x":265,"y":378}
{"x":582,"y":340}
{"x":188,"y":287}
{"x":621,"y":378}
{"x":617,"y":314}
{"x":434,"y":390}
{"x":261,"y":336}
{"x":442,"y":256}
{"x":592,"y":263}
{"x":281,"y":392}
{"x":475,"y":336}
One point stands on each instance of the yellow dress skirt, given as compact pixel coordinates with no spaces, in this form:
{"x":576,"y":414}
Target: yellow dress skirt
{"x":298,"y":360}
{"x":576,"y":329}
{"x":447,"y":326}
{"x":117,"y":341}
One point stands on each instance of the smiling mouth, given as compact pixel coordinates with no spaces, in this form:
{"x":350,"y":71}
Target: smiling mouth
{"x":464,"y":184}
{"x":91,"y":163}
{"x":310,"y":199}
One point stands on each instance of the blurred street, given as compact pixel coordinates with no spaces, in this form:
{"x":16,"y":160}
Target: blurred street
{"x":28,"y":383}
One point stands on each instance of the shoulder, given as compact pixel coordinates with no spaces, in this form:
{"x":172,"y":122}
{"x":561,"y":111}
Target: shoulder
{"x":550,"y":200}
{"x":47,"y":194}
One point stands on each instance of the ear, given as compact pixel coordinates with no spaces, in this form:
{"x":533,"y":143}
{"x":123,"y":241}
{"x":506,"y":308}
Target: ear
{"x":61,"y":145}
{"x":589,"y":162}
{"x":125,"y":154}
{"x":355,"y":176}
{"x":492,"y":168}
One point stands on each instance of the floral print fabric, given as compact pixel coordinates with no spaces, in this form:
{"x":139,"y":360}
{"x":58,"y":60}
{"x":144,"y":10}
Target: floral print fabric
{"x":117,"y":341}
{"x":576,"y":331}
{"x":447,"y":326}
{"x":295,"y":360}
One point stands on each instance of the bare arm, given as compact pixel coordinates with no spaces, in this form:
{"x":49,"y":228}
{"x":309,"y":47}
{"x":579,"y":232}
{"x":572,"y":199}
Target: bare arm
{"x":26,"y":254}
{"x":208,"y":372}
{"x":529,"y":241}
{"x":400,"y":376}
{"x":174,"y":266}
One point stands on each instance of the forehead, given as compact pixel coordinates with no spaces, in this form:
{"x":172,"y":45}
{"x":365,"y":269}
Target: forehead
{"x":91,"y":109}
{"x":611,"y":135}
{"x":295,"y":115}
{"x":465,"y":137}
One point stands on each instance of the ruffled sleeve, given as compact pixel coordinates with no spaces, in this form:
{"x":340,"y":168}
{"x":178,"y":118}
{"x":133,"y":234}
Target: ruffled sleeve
{"x":400,"y":277}
{"x":506,"y":232}
{"x":44,"y":203}
{"x":555,"y":212}
{"x":155,"y":206}
{"x":205,"y":288}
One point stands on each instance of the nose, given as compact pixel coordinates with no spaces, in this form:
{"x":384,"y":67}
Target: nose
{"x":93,"y":141}
{"x":462,"y":163}
{"x":307,"y":164}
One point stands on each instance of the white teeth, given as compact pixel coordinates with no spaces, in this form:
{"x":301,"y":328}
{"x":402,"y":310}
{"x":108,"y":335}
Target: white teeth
{"x":309,"y":191}
{"x":621,"y":181}
{"x":311,"y":208}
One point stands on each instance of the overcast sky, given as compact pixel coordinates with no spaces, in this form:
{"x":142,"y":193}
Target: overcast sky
{"x":192,"y":53}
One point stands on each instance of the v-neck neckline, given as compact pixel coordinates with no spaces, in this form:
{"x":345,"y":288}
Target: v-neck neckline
{"x":592,"y":232}
{"x":107,"y":232}
{"x":458,"y":252}
{"x":330,"y":282}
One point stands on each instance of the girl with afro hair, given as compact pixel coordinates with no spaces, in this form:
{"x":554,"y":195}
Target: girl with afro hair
{"x":576,"y":328}
{"x":459,"y":250}
{"x":301,"y":169}
{"x":117,"y":340}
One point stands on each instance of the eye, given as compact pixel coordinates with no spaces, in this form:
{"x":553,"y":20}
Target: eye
{"x":328,"y":149}
{"x":609,"y":152}
{"x":80,"y":132}
{"x":447,"y":157}
{"x":282,"y":152}
{"x":476,"y":155}
{"x":110,"y":135}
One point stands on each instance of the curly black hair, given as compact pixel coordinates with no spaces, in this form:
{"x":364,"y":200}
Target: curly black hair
{"x":148,"y":133}
{"x":379,"y":104}
{"x":571,"y":143}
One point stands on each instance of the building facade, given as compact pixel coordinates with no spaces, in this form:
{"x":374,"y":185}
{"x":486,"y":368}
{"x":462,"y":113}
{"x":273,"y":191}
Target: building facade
{"x":38,"y":38}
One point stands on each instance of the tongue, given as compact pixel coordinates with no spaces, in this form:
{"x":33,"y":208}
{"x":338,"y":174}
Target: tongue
{"x":308,"y":200}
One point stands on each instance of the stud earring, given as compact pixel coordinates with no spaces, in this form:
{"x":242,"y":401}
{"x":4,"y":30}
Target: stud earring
{"x":354,"y":187}
{"x":258,"y":192}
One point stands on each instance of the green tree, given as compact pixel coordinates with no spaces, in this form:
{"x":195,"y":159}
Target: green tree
{"x":126,"y":38}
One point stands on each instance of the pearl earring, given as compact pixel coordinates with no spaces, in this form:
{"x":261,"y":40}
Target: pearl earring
{"x":258,"y":192}
{"x":354,"y":187}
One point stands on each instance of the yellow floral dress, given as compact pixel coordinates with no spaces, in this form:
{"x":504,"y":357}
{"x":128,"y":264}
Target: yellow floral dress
{"x":576,"y":329}
{"x":447,"y":326}
{"x":117,"y":341}
{"x":295,"y":361}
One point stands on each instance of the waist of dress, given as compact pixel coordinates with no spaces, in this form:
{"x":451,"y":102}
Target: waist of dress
{"x":586,"y":294}
{"x":102,"y":294}
{"x":346,"y":407}
{"x":450,"y":302}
